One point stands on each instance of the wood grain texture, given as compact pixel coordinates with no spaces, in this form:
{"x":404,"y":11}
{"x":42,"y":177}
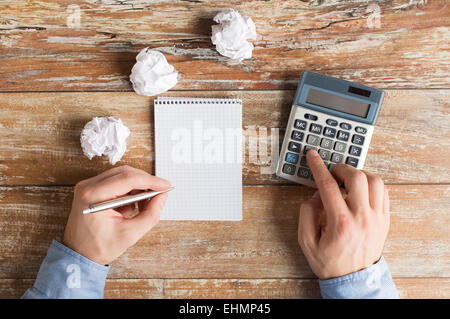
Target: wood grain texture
{"x":262,"y":245}
{"x":43,"y":130}
{"x":232,"y":288}
{"x":42,"y":49}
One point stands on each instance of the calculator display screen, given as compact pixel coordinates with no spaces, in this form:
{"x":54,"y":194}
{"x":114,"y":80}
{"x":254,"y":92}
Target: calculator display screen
{"x":337,"y":103}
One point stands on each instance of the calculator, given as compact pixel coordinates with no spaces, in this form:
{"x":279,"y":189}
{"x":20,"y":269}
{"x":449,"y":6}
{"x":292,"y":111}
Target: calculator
{"x":333,"y":116}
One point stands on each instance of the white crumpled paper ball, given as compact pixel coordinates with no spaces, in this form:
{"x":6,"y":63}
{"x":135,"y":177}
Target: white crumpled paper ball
{"x":105,"y":136}
{"x":231,"y":34}
{"x":152,"y":75}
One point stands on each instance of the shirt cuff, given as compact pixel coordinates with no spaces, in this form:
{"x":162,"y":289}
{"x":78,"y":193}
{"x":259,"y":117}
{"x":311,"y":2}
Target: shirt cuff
{"x":372,"y":282}
{"x":66,"y":274}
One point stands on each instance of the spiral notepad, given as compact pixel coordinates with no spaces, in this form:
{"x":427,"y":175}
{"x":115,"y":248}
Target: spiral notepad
{"x":198,"y":148}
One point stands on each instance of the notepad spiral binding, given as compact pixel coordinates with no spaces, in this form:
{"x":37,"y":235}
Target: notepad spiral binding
{"x":194,"y":100}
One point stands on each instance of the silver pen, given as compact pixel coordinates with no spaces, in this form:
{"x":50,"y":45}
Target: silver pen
{"x":129,"y":199}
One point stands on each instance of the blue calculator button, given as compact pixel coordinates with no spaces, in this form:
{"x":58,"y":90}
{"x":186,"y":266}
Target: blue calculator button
{"x":310,"y":117}
{"x":291,"y":158}
{"x":315,"y":128}
{"x":360,"y":130}
{"x":289,"y":169}
{"x":329,"y":132}
{"x":345,"y":126}
{"x":300,"y":125}
{"x":332,"y":122}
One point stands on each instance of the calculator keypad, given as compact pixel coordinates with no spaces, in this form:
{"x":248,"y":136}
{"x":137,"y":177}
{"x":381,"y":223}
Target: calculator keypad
{"x":313,"y":140}
{"x":352,"y":161}
{"x":336,"y":142}
{"x":289,"y":169}
{"x":294,"y":147}
{"x":358,"y":139}
{"x":315,"y":128}
{"x":355,"y":150}
{"x":304,"y":173}
{"x":343,"y":136}
{"x":326,"y":143}
{"x":291,"y":158}
{"x":300,"y":125}
{"x":298,"y":136}
{"x":329,"y":132}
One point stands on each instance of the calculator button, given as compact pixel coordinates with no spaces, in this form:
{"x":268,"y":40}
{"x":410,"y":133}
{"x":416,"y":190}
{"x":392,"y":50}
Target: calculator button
{"x":298,"y":136}
{"x":300,"y":125}
{"x":313,"y":140}
{"x":360,"y":130}
{"x":355,"y":150}
{"x":315,"y":128}
{"x":337,"y":158}
{"x":303,"y":162}
{"x":291,"y":158}
{"x":343,"y":136}
{"x":304,"y":172}
{"x":325,"y":154}
{"x":339,"y":147}
{"x":329,"y":132}
{"x":352,"y":161}
{"x":345,"y":126}
{"x":310,"y":117}
{"x":326,"y":143}
{"x":294,"y":147}
{"x":307,"y":148}
{"x":332,"y":122}
{"x":358,"y":139}
{"x":289,"y":169}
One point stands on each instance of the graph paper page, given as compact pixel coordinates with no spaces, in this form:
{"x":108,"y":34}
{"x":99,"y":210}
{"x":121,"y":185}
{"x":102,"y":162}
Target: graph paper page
{"x":198,"y":148}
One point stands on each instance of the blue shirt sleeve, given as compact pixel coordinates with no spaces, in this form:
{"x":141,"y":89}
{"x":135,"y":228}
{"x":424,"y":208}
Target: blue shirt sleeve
{"x":66,"y":274}
{"x":372,"y":282}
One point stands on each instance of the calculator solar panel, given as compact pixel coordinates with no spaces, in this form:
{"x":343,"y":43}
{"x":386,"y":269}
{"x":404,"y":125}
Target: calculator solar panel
{"x":332,"y":116}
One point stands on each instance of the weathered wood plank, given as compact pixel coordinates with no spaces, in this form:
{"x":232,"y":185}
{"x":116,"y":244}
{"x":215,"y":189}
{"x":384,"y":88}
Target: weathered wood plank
{"x":43,"y":48}
{"x":262,"y":245}
{"x":42,"y":130}
{"x":233,"y":288}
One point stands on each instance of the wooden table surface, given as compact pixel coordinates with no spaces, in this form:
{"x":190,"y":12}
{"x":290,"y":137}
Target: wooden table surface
{"x":55,"y":75}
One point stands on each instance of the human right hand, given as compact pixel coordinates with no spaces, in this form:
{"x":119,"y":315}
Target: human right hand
{"x":105,"y":235}
{"x":357,"y":226}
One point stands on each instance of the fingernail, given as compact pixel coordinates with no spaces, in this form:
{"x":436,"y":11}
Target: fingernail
{"x":312,"y":153}
{"x":316,"y":194}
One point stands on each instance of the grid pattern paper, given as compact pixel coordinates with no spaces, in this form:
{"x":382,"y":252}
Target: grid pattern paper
{"x":198,"y":148}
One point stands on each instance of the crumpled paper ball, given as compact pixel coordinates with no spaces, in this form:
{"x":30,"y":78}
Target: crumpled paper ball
{"x":231,"y":34}
{"x":152,"y":74}
{"x":105,"y":136}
